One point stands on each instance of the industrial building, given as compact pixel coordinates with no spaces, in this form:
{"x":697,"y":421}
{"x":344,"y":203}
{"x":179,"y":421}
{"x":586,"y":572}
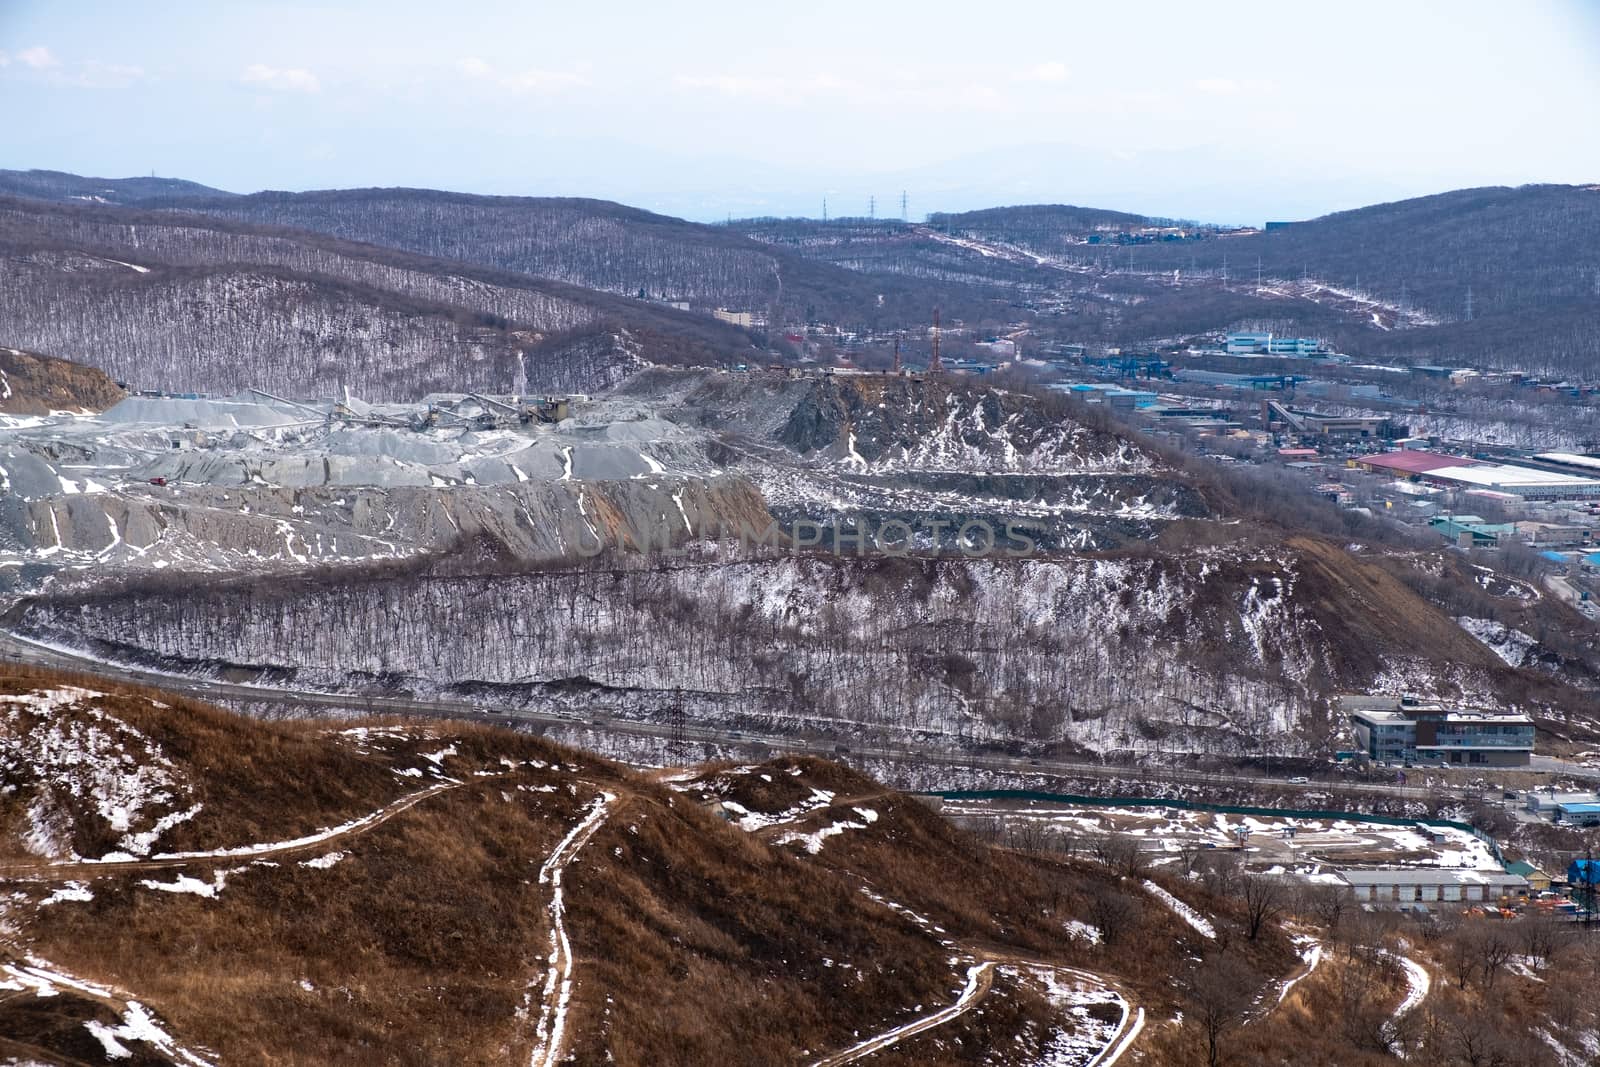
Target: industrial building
{"x":1472,"y":531}
{"x":1569,"y":809}
{"x":1265,"y":344}
{"x":1463,"y":473}
{"x":1432,"y":886}
{"x":1413,"y":730}
{"x":1314,"y":424}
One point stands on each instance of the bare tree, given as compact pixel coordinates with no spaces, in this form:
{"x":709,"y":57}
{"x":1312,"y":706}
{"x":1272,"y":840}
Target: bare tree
{"x":1460,"y":956}
{"x":1221,"y":872}
{"x":1112,"y":913}
{"x":1121,"y":854}
{"x":1543,"y":937}
{"x":1495,"y":949}
{"x":1264,"y":897}
{"x":1222,"y":989}
{"x":1326,"y":903}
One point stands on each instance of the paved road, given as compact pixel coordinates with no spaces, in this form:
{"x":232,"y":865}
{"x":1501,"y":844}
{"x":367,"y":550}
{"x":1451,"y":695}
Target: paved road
{"x":1561,"y":766}
{"x":21,"y":649}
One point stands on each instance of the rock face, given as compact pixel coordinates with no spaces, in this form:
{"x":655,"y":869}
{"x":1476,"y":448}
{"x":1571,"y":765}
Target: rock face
{"x":256,"y":527}
{"x":36,"y":385}
{"x":884,"y":422}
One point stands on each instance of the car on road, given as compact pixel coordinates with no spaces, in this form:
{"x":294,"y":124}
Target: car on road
{"x":1300,"y":780}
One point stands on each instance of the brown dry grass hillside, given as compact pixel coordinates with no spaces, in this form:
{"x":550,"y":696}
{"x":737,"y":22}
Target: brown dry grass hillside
{"x":180,"y":885}
{"x":36,"y":385}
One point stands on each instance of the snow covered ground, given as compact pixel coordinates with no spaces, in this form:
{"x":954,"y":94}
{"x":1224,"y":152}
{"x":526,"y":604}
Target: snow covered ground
{"x":1200,"y":923}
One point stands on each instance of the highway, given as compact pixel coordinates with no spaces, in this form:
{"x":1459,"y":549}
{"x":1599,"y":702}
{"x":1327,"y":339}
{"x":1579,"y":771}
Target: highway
{"x":16,"y":648}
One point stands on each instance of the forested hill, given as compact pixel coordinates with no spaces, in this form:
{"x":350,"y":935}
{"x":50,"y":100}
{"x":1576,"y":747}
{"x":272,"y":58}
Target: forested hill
{"x":58,"y":185}
{"x":606,"y":246}
{"x":1044,"y":228}
{"x":184,"y":302}
{"x":1519,"y":250}
{"x":1483,"y":271}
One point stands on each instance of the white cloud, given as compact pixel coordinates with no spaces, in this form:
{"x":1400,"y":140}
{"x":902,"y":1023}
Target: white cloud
{"x":96,"y":75}
{"x":740,"y":85}
{"x":1218,"y":86}
{"x":531,"y":80}
{"x":288,"y":79}
{"x":1046,"y":72}
{"x":38,"y":57}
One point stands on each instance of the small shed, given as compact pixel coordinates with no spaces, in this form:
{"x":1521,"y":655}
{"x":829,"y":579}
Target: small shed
{"x":1538,"y":881}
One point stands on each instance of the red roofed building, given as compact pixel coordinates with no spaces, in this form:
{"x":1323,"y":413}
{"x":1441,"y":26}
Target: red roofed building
{"x":1409,"y":464}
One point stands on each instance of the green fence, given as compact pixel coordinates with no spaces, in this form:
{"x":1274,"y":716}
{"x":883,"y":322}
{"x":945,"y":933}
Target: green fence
{"x":1225,"y":809}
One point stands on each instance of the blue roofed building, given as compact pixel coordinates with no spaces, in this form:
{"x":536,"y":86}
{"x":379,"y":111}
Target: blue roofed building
{"x":1584,"y":873}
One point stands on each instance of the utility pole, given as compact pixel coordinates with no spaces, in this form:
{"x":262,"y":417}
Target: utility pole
{"x":1588,"y":886}
{"x":897,"y":354}
{"x":934,"y":365}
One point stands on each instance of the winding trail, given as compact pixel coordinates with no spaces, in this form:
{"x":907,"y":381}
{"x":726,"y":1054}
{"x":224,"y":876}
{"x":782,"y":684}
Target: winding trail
{"x":980,"y":979}
{"x":1418,"y":983}
{"x":69,"y":870}
{"x":551,"y":1029}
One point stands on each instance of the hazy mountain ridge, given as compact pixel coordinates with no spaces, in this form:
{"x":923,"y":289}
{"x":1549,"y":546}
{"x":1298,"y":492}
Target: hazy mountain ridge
{"x":599,"y":245}
{"x":58,"y":185}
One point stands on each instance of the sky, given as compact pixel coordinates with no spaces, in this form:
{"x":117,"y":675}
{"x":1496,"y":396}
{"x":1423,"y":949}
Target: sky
{"x":1226,"y":111}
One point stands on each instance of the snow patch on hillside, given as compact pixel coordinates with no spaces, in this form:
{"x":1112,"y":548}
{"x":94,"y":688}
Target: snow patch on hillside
{"x":1513,"y":646}
{"x":73,"y":755}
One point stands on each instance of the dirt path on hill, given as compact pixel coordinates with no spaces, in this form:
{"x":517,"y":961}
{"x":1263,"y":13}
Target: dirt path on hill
{"x":979,"y":983}
{"x":980,"y":979}
{"x":550,"y":1032}
{"x":78,"y":870}
{"x":840,"y":802}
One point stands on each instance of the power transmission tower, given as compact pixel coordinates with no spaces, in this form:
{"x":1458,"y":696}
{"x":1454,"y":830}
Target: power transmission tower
{"x":675,"y":715}
{"x":905,"y":215}
{"x":897,"y":354}
{"x":872,"y":207}
{"x":1469,"y":303}
{"x":934,"y":365}
{"x":824,"y":209}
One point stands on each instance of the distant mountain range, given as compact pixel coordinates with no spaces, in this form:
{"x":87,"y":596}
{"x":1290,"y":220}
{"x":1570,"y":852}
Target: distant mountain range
{"x":1494,"y":277}
{"x":58,"y":185}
